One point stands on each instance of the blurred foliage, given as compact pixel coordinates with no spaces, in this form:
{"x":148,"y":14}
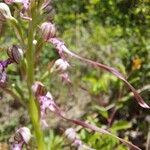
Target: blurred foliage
{"x":114,"y":32}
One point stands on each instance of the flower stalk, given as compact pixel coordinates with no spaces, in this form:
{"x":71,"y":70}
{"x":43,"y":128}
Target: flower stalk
{"x":33,"y":107}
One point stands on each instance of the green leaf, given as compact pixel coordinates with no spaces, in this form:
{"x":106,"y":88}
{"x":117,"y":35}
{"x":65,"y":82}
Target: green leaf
{"x":102,"y":111}
{"x":120,"y":125}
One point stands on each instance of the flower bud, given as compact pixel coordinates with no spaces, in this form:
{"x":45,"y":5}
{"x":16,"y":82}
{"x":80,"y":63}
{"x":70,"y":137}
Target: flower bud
{"x":60,"y":65}
{"x":23,"y":134}
{"x":5,"y":11}
{"x":15,"y":53}
{"x":39,"y":89}
{"x":48,"y":30}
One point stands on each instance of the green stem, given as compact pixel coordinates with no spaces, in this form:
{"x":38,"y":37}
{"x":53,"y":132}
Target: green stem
{"x":33,"y":106}
{"x":30,"y":57}
{"x":34,"y":115}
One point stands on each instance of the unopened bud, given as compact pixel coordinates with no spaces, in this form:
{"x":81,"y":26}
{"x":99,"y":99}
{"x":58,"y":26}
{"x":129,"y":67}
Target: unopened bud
{"x":39,"y":89}
{"x":48,"y":30}
{"x":23,"y":134}
{"x":60,"y":65}
{"x":5,"y":11}
{"x":15,"y":53}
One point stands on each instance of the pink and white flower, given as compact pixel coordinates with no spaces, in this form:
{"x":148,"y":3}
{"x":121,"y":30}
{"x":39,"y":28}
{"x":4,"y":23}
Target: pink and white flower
{"x":22,"y":136}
